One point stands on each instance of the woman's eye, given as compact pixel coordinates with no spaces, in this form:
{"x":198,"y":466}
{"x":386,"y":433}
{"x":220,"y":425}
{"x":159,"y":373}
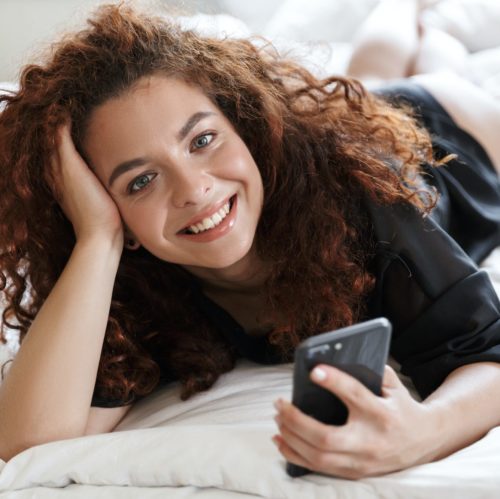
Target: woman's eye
{"x":141,"y":182}
{"x":202,"y":140}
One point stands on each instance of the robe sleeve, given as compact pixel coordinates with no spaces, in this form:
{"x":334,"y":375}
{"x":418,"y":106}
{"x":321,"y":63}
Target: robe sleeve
{"x":444,"y":310}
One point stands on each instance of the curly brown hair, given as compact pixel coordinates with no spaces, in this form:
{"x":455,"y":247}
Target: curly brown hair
{"x":323,"y":147}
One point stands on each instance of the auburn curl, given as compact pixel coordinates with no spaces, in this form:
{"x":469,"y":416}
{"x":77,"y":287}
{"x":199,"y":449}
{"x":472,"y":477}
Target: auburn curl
{"x":323,"y":147}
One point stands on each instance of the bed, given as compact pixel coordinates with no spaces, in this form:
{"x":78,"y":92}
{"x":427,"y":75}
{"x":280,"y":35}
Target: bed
{"x":218,"y":443}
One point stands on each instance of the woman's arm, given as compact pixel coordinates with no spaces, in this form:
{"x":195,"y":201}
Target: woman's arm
{"x":105,"y":420}
{"x":465,"y":407}
{"x":47,"y":392}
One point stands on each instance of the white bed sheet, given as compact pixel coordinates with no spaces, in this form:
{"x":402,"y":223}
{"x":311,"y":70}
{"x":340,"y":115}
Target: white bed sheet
{"x":219,"y":442}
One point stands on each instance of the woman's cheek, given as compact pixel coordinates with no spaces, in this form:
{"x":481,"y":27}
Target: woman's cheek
{"x":140,"y":219}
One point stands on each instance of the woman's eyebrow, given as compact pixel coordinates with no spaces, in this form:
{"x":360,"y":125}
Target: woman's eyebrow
{"x":191,"y":122}
{"x":124,"y":167}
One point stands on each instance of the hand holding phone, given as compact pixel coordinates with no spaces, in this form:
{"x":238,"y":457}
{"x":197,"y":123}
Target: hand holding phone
{"x":360,"y":350}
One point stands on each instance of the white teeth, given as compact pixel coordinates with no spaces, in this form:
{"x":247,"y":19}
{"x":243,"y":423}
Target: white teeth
{"x":211,"y":222}
{"x":208,"y":223}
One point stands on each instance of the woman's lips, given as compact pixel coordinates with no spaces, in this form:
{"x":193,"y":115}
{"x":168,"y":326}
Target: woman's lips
{"x":219,"y":230}
{"x":206,"y":214}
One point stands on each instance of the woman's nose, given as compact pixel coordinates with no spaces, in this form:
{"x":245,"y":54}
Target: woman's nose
{"x":190,"y":187}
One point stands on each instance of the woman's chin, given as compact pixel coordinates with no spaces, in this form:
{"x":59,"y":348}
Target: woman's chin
{"x":222,"y":263}
{"x":236,"y":259}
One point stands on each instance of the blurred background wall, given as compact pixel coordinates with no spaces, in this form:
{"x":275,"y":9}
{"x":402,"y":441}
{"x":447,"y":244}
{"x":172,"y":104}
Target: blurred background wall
{"x":28,"y":25}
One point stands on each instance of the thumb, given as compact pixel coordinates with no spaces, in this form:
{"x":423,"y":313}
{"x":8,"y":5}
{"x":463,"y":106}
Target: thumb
{"x":390,"y":379}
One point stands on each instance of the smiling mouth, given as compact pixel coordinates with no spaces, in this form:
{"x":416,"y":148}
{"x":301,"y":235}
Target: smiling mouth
{"x":212,"y":221}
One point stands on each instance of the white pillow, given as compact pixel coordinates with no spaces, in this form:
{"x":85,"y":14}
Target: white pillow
{"x":323,"y":59}
{"x":6,"y":354}
{"x":6,"y":87}
{"x":440,"y":51}
{"x":476,"y":23}
{"x":483,"y":65}
{"x":319,"y":20}
{"x":255,"y":14}
{"x":217,"y":26}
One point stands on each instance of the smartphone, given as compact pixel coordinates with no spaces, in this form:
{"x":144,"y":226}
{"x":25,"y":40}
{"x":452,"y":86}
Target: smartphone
{"x":360,"y":350}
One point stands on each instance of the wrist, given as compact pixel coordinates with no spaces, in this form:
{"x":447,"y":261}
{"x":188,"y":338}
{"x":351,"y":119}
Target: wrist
{"x":102,"y":231}
{"x":439,"y":435}
{"x":102,"y":243}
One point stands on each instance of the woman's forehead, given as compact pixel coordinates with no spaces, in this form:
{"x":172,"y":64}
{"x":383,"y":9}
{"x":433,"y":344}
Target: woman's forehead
{"x":156,"y":109}
{"x":157,"y":92}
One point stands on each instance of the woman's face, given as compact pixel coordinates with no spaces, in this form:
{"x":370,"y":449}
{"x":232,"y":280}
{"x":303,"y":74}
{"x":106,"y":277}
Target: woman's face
{"x":185,"y":183}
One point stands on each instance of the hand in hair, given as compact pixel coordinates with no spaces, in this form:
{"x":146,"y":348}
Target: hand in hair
{"x":80,"y":194}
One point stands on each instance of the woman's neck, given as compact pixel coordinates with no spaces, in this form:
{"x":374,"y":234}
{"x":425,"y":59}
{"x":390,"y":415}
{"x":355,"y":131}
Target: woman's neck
{"x":246,"y":276}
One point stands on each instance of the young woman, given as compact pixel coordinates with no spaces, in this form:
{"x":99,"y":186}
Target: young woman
{"x":171,"y":203}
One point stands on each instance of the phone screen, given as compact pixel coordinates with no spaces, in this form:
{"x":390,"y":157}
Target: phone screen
{"x":360,"y":350}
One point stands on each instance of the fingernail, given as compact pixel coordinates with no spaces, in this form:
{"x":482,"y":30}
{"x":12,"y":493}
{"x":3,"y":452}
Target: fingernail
{"x":278,"y":420}
{"x":275,"y":441}
{"x":318,"y":374}
{"x":278,"y":404}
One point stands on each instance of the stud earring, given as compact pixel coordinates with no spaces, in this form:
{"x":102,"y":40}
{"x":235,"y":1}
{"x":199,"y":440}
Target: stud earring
{"x":132,"y":244}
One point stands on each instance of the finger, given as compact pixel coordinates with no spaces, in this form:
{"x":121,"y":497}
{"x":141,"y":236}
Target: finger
{"x":71,"y":161}
{"x":302,"y":448}
{"x":61,"y":137}
{"x":392,"y":385}
{"x":288,"y":453}
{"x":331,"y":463}
{"x":55,"y":162}
{"x":67,"y":146}
{"x":63,"y":154}
{"x":352,"y":392}
{"x":316,"y":433}
{"x":53,"y":174}
{"x":391,"y":379}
